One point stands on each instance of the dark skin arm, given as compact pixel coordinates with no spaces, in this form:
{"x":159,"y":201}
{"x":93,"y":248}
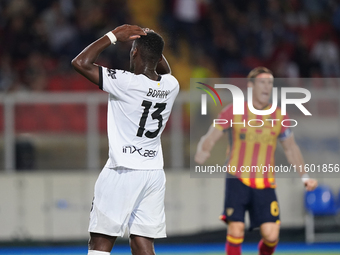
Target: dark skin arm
{"x":84,"y":63}
{"x":163,"y":66}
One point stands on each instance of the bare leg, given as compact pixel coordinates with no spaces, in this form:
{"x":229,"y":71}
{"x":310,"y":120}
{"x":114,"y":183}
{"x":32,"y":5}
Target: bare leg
{"x":100,"y":242}
{"x":270,"y":237}
{"x":236,"y":229}
{"x":141,"y":245}
{"x":270,"y":231}
{"x":235,"y":235}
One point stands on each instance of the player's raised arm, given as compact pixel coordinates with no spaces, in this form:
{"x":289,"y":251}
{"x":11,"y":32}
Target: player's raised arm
{"x":294,"y":157}
{"x":163,"y":66}
{"x":84,"y":62}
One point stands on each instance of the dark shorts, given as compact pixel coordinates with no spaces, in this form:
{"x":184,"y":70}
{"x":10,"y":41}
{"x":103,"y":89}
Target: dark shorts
{"x":261,"y":203}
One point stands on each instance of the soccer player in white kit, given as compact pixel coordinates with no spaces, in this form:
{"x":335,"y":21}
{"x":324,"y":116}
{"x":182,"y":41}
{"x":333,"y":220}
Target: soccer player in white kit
{"x":129,"y":192}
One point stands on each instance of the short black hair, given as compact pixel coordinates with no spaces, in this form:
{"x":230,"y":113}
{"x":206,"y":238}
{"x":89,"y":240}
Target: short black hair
{"x":151,"y":47}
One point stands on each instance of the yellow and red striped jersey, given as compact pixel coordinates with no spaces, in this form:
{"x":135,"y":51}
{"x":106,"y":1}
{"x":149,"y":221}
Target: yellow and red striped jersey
{"x":254,"y":146}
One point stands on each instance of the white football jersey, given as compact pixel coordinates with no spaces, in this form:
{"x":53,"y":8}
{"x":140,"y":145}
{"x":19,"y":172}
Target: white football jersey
{"x":138,"y":110}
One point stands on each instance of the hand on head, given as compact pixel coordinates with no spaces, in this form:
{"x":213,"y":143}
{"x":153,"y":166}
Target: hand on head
{"x":126,"y":33}
{"x":146,"y":30}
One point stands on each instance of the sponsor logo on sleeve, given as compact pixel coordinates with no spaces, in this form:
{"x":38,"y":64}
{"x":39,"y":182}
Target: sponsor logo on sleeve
{"x":111,"y":73}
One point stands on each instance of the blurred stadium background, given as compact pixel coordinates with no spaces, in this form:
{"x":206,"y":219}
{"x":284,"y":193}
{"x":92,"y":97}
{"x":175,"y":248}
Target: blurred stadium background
{"x":53,"y":122}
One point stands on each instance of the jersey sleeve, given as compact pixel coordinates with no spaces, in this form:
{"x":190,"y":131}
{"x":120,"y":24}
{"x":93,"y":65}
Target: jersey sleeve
{"x":285,"y":131}
{"x":226,"y":114}
{"x":114,"y":81}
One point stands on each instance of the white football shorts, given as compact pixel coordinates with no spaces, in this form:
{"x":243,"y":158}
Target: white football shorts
{"x":129,"y":198}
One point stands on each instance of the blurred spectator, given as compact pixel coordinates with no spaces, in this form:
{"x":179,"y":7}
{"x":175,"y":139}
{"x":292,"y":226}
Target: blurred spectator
{"x":187,"y":15}
{"x":182,"y":19}
{"x":39,"y":38}
{"x":7,"y":74}
{"x":35,"y":73}
{"x":254,"y":16}
{"x":295,"y":17}
{"x":228,"y":53}
{"x":268,"y":37}
{"x":284,"y":67}
{"x":203,"y":66}
{"x":62,"y":34}
{"x":336,"y":19}
{"x":302,"y":58}
{"x":17,"y":39}
{"x":19,"y":8}
{"x":67,"y":7}
{"x":326,"y":52}
{"x":59,"y":29}
{"x":62,"y":38}
{"x":315,"y":7}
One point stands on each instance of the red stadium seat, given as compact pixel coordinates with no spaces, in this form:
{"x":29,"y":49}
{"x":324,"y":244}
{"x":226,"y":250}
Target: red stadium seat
{"x":79,"y":83}
{"x":76,"y":118}
{"x":56,"y":83}
{"x":51,"y":118}
{"x":70,"y":82}
{"x":26,"y":118}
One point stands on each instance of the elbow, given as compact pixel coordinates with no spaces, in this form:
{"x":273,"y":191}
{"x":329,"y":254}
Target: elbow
{"x":77,"y":63}
{"x":80,"y":64}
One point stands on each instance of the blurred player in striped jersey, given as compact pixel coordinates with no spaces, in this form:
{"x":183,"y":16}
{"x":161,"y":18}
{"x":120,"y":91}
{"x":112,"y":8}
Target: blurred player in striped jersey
{"x":253,"y":146}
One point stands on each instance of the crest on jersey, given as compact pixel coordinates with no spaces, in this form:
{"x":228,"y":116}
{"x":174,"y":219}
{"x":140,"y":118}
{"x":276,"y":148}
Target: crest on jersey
{"x":229,"y":211}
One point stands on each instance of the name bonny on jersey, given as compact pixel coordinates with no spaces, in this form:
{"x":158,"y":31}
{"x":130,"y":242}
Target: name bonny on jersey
{"x":158,"y":93}
{"x":131,"y":149}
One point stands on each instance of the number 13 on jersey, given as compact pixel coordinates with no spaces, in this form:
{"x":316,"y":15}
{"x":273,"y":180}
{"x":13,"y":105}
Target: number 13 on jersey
{"x":156,"y":115}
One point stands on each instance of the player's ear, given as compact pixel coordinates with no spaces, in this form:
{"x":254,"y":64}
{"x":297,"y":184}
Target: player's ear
{"x":134,"y":52}
{"x":161,"y":58}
